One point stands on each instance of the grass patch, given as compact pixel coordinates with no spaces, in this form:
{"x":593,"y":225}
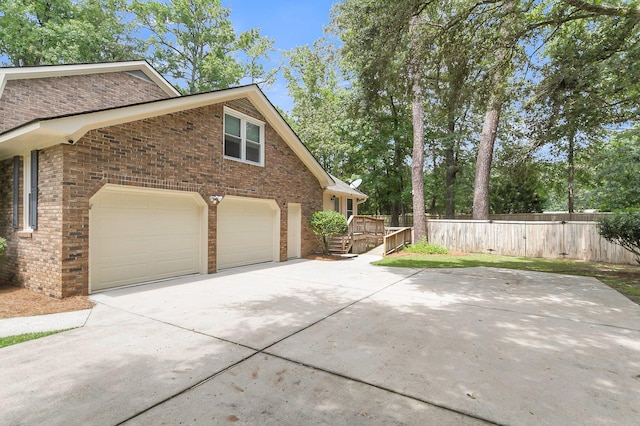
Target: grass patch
{"x":623,"y":278}
{"x":14,"y":340}
{"x":424,"y":247}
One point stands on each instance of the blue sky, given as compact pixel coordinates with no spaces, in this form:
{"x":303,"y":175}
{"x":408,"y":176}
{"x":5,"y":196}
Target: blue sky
{"x":290,"y":23}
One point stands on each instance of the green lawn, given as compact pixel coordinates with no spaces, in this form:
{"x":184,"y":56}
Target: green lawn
{"x":13,"y":340}
{"x":623,"y":278}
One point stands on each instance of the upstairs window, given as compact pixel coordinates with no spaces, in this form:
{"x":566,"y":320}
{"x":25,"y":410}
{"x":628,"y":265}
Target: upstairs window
{"x":243,"y":138}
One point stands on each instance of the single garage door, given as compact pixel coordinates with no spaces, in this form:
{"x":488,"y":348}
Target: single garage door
{"x":248,"y":231}
{"x":141,"y":235}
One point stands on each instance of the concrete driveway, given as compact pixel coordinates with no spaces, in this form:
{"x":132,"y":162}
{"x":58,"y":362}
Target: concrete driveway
{"x":312,"y":342}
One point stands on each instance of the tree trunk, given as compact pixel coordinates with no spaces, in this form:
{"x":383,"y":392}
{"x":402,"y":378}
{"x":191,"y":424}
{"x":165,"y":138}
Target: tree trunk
{"x":491,"y":120}
{"x":434,"y":164}
{"x":451,"y":169}
{"x":483,"y":162}
{"x":417,"y":159}
{"x":571,"y":173}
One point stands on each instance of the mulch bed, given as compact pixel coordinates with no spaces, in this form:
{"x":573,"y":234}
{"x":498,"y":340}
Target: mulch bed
{"x":327,"y":257}
{"x":21,"y":302}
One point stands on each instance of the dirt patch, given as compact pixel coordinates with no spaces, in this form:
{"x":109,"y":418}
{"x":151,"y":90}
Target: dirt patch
{"x":406,"y":253}
{"x":21,"y":302}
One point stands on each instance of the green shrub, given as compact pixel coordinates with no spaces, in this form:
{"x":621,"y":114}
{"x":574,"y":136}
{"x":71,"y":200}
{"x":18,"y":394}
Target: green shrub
{"x":326,"y":224}
{"x":623,"y":228}
{"x":423,"y":247}
{"x":3,"y":246}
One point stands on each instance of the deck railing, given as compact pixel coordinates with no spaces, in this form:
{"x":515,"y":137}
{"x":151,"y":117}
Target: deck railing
{"x":365,"y":225}
{"x":396,"y":239}
{"x":363,"y":231}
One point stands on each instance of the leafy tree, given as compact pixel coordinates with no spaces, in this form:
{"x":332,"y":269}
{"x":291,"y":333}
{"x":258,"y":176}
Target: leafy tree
{"x":326,"y":224}
{"x":319,"y":111}
{"x":617,"y":171}
{"x":194,"y":43}
{"x":40,"y":32}
{"x":383,"y":43}
{"x":623,"y":229}
{"x":582,"y":90}
{"x":383,"y":146}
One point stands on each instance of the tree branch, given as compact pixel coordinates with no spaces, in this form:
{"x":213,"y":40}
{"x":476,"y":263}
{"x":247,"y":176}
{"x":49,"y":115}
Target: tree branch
{"x":603,"y":10}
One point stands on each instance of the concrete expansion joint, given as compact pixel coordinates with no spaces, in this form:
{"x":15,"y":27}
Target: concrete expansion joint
{"x":383,"y":388}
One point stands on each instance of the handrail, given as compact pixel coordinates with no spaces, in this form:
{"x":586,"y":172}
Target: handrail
{"x":396,"y":240}
{"x":365,"y":225}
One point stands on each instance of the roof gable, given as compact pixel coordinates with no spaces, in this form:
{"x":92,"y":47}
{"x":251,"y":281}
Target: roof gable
{"x":42,"y":133}
{"x":141,"y":69}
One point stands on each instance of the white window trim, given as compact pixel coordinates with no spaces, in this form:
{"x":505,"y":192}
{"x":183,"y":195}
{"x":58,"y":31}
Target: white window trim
{"x":26,"y":190}
{"x":243,"y":137}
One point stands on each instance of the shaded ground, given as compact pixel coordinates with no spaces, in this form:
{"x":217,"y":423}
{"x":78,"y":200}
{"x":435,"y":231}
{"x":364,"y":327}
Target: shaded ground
{"x":21,"y":302}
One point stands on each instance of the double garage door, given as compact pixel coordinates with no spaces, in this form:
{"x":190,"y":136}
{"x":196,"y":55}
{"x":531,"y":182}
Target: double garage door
{"x":141,"y":235}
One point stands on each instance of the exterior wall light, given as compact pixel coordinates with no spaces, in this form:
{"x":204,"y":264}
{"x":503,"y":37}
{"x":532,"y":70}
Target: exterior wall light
{"x":215,"y":199}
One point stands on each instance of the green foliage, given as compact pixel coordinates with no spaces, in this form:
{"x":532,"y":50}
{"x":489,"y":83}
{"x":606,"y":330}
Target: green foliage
{"x":423,"y":247}
{"x":326,"y":224}
{"x":194,"y":43}
{"x":3,"y":246}
{"x":319,"y":115}
{"x":623,"y":229}
{"x":14,"y":340}
{"x":515,"y":183}
{"x":617,"y":171}
{"x":40,"y":32}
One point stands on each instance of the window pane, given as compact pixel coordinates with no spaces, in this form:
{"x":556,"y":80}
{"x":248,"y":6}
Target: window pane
{"x":231,"y":125}
{"x":253,"y":132}
{"x":253,"y":152}
{"x":231,"y":146}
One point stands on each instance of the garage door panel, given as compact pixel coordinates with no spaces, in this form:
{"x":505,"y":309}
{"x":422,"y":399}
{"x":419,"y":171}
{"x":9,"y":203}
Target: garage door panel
{"x":143,"y":236}
{"x":246,"y":232}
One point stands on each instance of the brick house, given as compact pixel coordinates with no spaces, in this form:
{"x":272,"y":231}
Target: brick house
{"x":110,"y":178}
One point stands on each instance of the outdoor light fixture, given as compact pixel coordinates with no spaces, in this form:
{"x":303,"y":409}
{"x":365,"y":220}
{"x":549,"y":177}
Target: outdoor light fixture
{"x":215,"y":199}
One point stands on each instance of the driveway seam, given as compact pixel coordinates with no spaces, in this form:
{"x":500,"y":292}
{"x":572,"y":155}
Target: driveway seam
{"x":395,"y":392}
{"x":261,"y":351}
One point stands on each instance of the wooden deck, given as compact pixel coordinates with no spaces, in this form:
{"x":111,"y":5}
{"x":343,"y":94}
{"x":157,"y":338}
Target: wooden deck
{"x":364,"y":232}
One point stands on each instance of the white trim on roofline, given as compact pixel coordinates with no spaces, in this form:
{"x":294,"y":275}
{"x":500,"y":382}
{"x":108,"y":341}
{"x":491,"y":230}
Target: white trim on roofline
{"x":43,"y":133}
{"x":20,"y":73}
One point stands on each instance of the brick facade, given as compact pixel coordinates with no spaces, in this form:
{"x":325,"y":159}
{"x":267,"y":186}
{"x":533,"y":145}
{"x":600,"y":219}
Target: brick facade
{"x":182,"y":151}
{"x":28,"y":99}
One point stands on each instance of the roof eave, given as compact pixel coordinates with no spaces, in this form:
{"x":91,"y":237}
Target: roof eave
{"x":18,"y":73}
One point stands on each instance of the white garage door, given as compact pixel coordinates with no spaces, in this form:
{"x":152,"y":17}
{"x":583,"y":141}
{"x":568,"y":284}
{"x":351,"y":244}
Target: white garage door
{"x":248,"y":231}
{"x":141,"y":235}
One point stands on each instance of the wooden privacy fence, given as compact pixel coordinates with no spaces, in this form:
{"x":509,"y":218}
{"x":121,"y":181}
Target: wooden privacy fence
{"x":396,"y":238}
{"x":407,"y":219}
{"x":555,"y":240}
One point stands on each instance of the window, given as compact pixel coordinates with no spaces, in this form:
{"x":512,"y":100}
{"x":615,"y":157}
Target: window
{"x":243,"y":137}
{"x":349,"y":207}
{"x":16,"y":191}
{"x":336,"y":204}
{"x":30,"y":194}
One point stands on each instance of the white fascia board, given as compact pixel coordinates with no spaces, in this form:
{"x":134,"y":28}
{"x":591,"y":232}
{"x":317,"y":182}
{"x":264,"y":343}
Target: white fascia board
{"x":19,"y":73}
{"x":3,"y":82}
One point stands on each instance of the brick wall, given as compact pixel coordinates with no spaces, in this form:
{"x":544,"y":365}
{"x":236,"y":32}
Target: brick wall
{"x":33,"y":259}
{"x":176,"y":151}
{"x":25,"y":100}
